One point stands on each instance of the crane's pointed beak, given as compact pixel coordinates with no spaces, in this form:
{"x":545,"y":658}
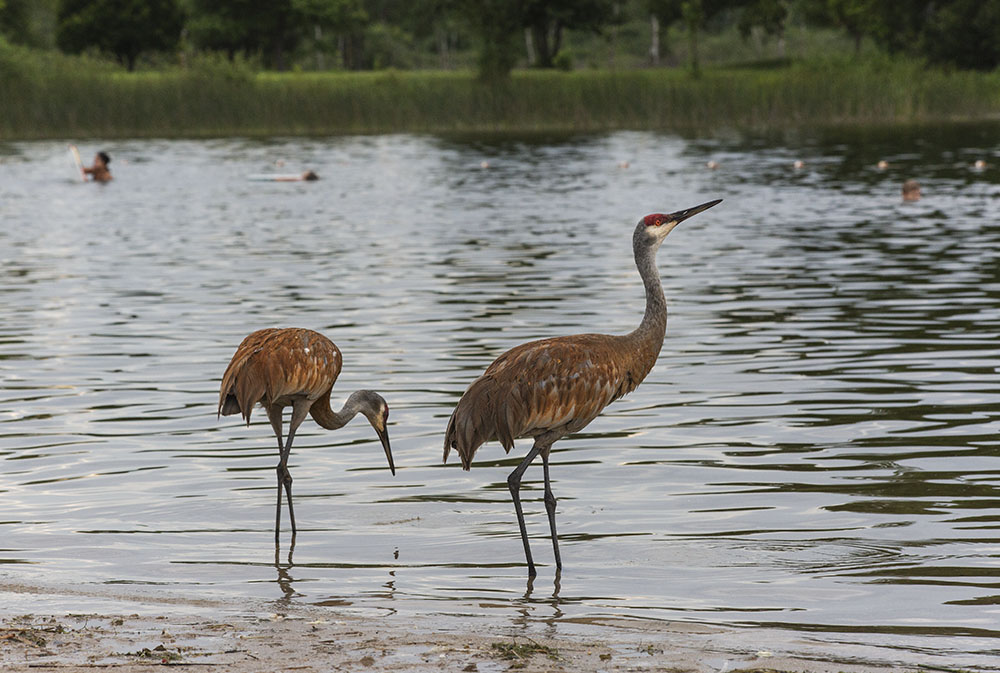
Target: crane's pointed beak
{"x":383,"y":435}
{"x":682,"y":215}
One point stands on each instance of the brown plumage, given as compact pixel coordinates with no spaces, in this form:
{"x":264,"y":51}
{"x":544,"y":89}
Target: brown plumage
{"x":550,"y":388}
{"x":552,"y":385}
{"x":294,"y":367}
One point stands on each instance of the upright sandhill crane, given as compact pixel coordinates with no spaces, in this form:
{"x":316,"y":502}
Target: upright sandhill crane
{"x":297,"y":367}
{"x":554,"y":387}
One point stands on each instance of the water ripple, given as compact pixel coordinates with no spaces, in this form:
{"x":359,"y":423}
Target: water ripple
{"x":816,"y":449}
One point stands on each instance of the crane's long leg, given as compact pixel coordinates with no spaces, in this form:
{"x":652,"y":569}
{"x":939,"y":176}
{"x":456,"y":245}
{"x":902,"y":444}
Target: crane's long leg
{"x":514,"y":484}
{"x":300,"y":408}
{"x":274,"y":415}
{"x":550,"y":507}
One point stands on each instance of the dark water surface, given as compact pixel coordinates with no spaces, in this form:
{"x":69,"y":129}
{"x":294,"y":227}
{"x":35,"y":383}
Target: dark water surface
{"x":816,"y":451}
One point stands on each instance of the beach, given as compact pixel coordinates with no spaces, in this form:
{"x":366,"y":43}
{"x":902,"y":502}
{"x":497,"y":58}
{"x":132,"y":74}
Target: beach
{"x":149,"y":632}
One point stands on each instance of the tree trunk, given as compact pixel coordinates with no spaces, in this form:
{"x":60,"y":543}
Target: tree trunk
{"x":693,"y":17}
{"x":543,"y":58}
{"x":557,"y":36}
{"x":693,"y":38}
{"x":320,"y":60}
{"x":444,"y":53}
{"x":529,"y":46}
{"x":654,"y":42}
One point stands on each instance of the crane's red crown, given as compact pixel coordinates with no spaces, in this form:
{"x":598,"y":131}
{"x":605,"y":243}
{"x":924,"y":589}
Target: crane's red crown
{"x":654,"y":220}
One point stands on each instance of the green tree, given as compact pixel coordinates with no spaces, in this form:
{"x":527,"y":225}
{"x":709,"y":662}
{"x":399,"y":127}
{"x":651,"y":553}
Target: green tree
{"x":663,"y":14}
{"x":272,"y":29}
{"x":694,"y":14}
{"x":668,"y":12}
{"x":496,"y":25}
{"x":266,"y":27}
{"x":437,"y":24}
{"x":344,"y":18}
{"x":547,"y":19}
{"x":853,"y":16}
{"x":961,"y":33}
{"x":768,"y":15}
{"x":964,"y":33}
{"x":124,"y":28}
{"x":896,"y":26}
{"x":14,"y":21}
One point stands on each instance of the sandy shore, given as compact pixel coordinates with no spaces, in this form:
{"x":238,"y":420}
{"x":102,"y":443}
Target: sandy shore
{"x":317,"y":639}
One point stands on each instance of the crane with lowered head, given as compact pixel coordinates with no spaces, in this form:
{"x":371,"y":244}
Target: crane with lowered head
{"x":281,"y":367}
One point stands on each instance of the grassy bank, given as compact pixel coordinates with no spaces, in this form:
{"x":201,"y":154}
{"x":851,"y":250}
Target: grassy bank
{"x":73,"y":98}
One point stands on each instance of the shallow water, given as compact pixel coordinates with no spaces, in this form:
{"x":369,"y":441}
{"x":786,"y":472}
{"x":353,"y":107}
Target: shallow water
{"x":815,"y":452}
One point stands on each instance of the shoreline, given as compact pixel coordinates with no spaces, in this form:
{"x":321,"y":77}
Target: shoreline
{"x":316,"y":640}
{"x":142,"y":631}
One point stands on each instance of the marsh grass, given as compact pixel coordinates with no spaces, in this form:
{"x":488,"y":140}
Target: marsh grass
{"x":520,"y":653}
{"x":53,"y":96}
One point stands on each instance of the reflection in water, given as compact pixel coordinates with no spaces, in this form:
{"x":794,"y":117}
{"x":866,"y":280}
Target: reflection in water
{"x":815,"y":449}
{"x":528,"y":613}
{"x":284,"y":577}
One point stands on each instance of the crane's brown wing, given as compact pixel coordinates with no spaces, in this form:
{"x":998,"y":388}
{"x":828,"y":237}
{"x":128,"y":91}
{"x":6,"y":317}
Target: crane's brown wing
{"x":553,"y":385}
{"x":276,"y":364}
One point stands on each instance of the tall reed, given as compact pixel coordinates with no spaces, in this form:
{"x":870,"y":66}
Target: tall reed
{"x":53,"y":96}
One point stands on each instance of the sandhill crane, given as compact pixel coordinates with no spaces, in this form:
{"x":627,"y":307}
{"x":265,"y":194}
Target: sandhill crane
{"x":550,"y":388}
{"x":297,"y":367}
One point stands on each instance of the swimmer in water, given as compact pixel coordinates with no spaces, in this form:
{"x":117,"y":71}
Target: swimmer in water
{"x":307,"y":176}
{"x":911,"y":190}
{"x":99,"y":171}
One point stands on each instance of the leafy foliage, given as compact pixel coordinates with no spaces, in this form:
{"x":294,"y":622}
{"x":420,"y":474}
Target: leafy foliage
{"x":125,"y":28}
{"x":498,"y":34}
{"x":547,"y":19}
{"x":964,"y":33}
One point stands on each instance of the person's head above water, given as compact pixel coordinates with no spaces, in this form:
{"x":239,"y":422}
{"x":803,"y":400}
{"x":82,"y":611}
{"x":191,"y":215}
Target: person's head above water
{"x":104,"y":157}
{"x":310,"y":175}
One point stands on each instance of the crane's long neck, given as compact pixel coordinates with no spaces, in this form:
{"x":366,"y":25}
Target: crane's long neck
{"x":330,"y":419}
{"x":654,"y":321}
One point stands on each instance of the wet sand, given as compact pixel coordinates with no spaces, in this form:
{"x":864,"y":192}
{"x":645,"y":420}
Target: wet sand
{"x":199,"y":635}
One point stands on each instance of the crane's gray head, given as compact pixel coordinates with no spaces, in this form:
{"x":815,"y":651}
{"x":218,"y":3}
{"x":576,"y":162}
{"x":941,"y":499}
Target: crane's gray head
{"x":376,"y":410}
{"x":652,"y":229}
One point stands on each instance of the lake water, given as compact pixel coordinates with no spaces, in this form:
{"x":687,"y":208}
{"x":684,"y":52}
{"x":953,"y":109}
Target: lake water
{"x":815,"y":453}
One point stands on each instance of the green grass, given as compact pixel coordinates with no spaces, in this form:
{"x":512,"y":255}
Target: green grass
{"x":51,"y":96}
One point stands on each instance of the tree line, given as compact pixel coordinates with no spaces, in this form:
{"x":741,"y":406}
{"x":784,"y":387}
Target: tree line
{"x":502,"y":34}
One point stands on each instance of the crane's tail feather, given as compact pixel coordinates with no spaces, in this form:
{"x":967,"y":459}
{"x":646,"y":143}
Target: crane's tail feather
{"x":242,"y":387}
{"x":483,"y":414}
{"x":229,"y":406}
